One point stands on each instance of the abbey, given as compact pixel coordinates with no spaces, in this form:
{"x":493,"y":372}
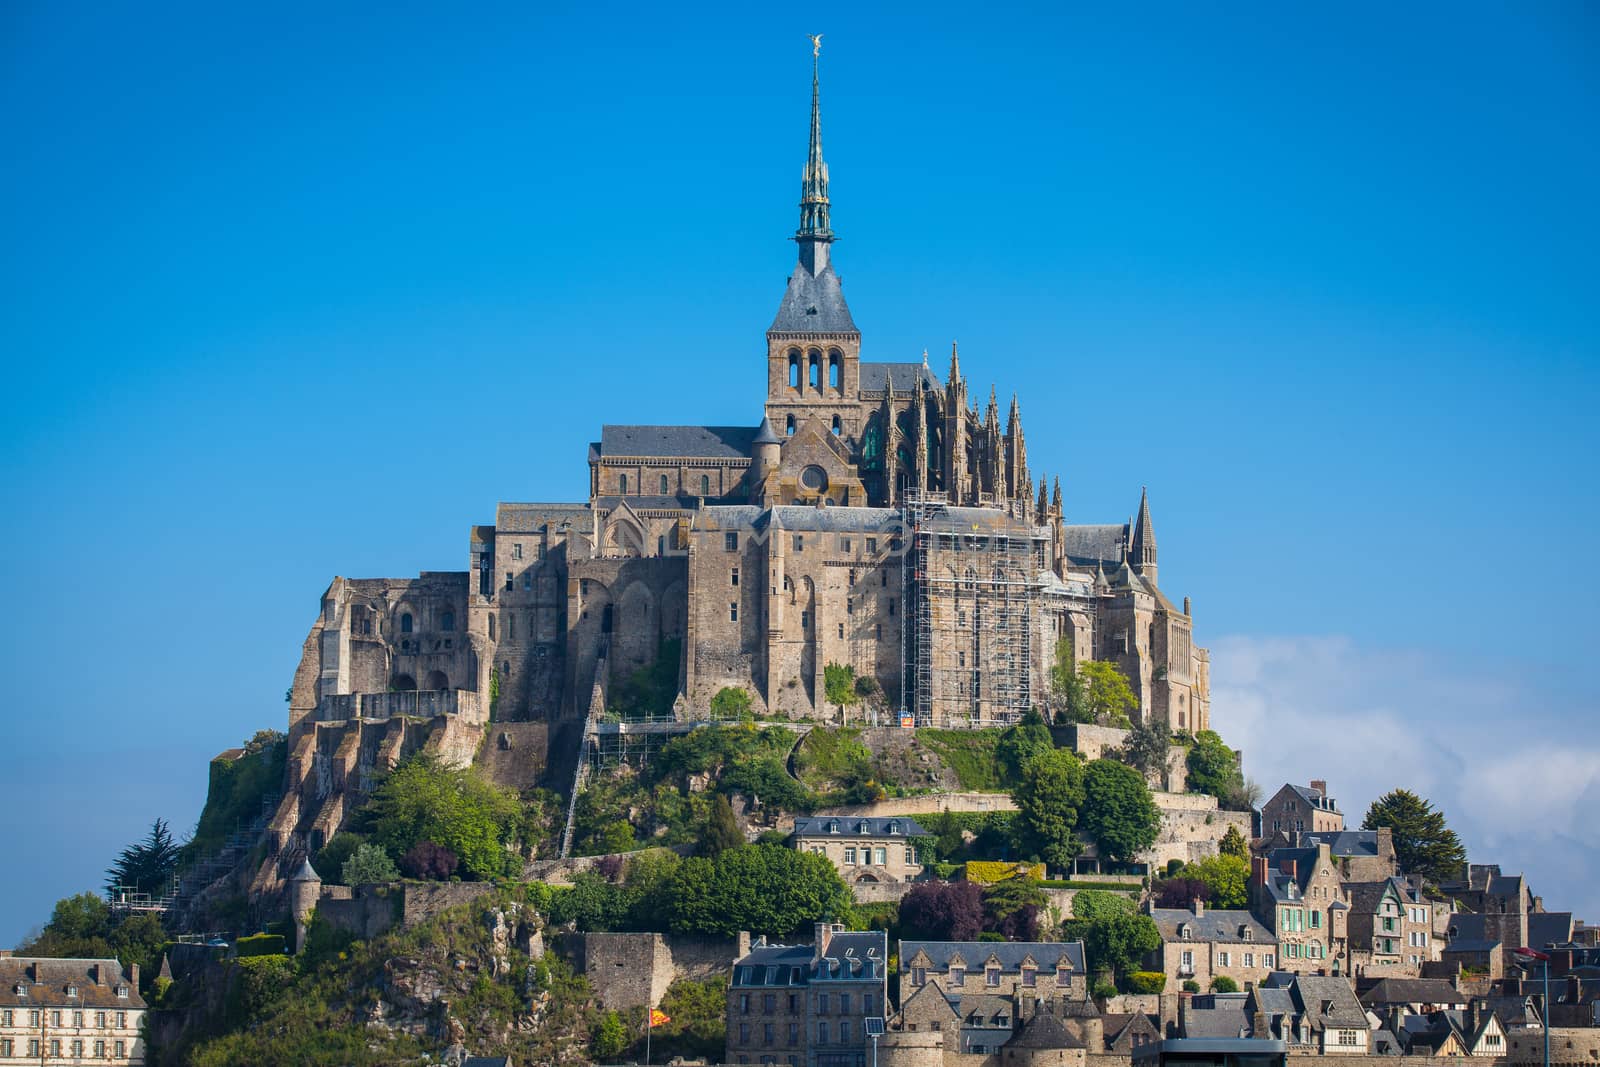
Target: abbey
{"x":870,"y":514}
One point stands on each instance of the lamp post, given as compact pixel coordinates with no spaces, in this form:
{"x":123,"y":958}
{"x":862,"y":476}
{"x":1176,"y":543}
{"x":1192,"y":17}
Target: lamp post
{"x":1528,"y":955}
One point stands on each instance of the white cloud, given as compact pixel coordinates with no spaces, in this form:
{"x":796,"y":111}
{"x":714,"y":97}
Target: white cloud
{"x":1502,"y":757}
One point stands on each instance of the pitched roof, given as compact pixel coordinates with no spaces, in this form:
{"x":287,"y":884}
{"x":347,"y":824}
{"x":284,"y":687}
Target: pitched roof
{"x":1549,"y":928}
{"x":874,"y":376}
{"x":1086,"y":545}
{"x":1325,"y":1000}
{"x":1222,"y":924}
{"x":813,"y":303}
{"x":859,"y":826}
{"x":1044,"y":1030}
{"x":46,"y":980}
{"x":1413,"y":991}
{"x":699,"y":442}
{"x":1009,"y":953}
{"x":1347,"y":842}
{"x":1218,"y":1015}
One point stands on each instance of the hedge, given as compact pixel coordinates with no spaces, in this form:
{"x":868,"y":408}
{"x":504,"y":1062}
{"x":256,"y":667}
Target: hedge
{"x":260,"y":945}
{"x":1146,"y":982}
{"x":987,"y":872}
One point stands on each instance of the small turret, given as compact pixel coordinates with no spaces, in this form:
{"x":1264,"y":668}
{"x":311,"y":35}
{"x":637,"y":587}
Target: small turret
{"x":305,"y":888}
{"x":767,"y":447}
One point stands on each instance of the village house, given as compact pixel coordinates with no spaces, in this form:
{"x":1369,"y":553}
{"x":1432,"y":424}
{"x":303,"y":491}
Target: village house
{"x":808,"y":1004}
{"x":1301,"y":809}
{"x":978,"y":993}
{"x":1315,"y":1013}
{"x":864,"y":850}
{"x":1297,"y":894}
{"x":70,"y":1011}
{"x":1390,"y":928}
{"x":1200,"y":944}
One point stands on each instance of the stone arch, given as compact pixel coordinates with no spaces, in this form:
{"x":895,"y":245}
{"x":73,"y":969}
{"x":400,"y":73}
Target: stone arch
{"x":437,"y":680}
{"x":405,"y":618}
{"x":674,"y":611}
{"x":623,"y":538}
{"x":403,"y":683}
{"x":636,"y":635}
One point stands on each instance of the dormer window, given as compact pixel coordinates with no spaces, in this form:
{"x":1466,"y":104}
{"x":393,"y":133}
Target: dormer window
{"x":833,"y":826}
{"x":894,"y":828}
{"x":122,"y":991}
{"x":20,"y":989}
{"x":1184,"y":931}
{"x":1246,"y":933}
{"x":72,"y":990}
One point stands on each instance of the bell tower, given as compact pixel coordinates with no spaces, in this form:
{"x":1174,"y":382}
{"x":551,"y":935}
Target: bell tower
{"x":813,"y":346}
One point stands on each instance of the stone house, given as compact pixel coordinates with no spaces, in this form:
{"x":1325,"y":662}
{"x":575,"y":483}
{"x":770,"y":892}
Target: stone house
{"x":1390,"y":928}
{"x":1019,"y":970}
{"x":1317,"y":1013}
{"x":70,"y":1011}
{"x":1201,"y":944}
{"x":1297,"y":894}
{"x":808,"y":1004}
{"x":1301,"y":809}
{"x":1362,"y":855}
{"x":865,"y":850}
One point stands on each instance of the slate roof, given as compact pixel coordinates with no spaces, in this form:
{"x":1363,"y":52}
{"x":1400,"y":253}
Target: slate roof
{"x":983,"y":522}
{"x":513,"y":518}
{"x":797,"y":519}
{"x":1384,"y":1043}
{"x":774,"y":965}
{"x":1346,"y":842}
{"x":1467,"y":926}
{"x":854,"y":957}
{"x":1087,"y":545}
{"x":849,"y":957}
{"x":1044,"y":1030}
{"x":1365,"y":896}
{"x":1219,"y":1015}
{"x":857,"y":826}
{"x":1549,"y":928}
{"x":698,"y":442}
{"x":46,"y":980}
{"x":1476,"y":946}
{"x":813,"y":303}
{"x":305,"y":873}
{"x":904,"y":376}
{"x":1222,"y":924}
{"x":1412,"y":991}
{"x":1009,"y":953}
{"x":1325,"y":1000}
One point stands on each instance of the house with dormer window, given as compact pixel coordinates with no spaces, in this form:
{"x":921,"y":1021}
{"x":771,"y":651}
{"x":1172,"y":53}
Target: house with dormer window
{"x":1200,"y":944}
{"x":866,"y":851}
{"x":1298,"y":895}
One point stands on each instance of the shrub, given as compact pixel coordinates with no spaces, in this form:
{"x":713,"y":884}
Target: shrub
{"x":428,"y":861}
{"x":259,"y":945}
{"x":1103,"y":987}
{"x":731,"y":702}
{"x":1223,"y":984}
{"x":610,"y":1037}
{"x":1191,"y":986}
{"x":988,"y":872}
{"x":1096,"y":904}
{"x":942,"y":911}
{"x":368,"y":864}
{"x":1146,"y":982}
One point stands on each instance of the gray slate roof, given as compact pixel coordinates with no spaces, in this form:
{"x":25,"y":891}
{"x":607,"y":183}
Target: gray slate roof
{"x":1223,"y":924}
{"x":796,"y":519}
{"x":1412,"y":991}
{"x":850,"y":957}
{"x":1347,"y":842}
{"x":1466,"y":926}
{"x":1219,"y":1015}
{"x":813,"y":304}
{"x":1009,"y":953}
{"x":1088,"y":545}
{"x":1549,"y":928}
{"x":904,"y":376}
{"x":857,"y":826}
{"x":699,"y":442}
{"x":1045,"y":1030}
{"x":1325,"y":1000}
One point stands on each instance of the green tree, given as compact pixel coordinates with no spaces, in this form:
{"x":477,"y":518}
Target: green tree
{"x":1020,"y":742}
{"x":1068,"y":699}
{"x":1107,"y":698}
{"x":839,"y":684}
{"x":147,"y":865}
{"x":368,"y":865}
{"x":1048,"y":794}
{"x":731,"y":704}
{"x":1116,"y":943}
{"x":765,"y":889}
{"x":1227,"y":876}
{"x":722,"y":829}
{"x":1423,"y":844}
{"x":1145,"y":749}
{"x":610,"y":1038}
{"x":1223,"y":984}
{"x":1118,"y":811}
{"x":1234,"y":844}
{"x":423,"y":799}
{"x":1213,"y":766}
{"x":1012,"y":907}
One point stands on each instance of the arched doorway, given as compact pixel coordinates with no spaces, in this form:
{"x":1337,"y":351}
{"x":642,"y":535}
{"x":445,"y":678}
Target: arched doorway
{"x":438,"y":680}
{"x":402,"y":683}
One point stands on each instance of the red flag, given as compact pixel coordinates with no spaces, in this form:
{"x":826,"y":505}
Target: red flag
{"x":659,"y":1017}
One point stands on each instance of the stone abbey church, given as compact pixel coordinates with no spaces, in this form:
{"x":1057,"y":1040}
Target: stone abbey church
{"x":870,"y":514}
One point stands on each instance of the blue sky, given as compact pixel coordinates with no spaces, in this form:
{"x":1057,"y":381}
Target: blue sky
{"x":299,"y":292}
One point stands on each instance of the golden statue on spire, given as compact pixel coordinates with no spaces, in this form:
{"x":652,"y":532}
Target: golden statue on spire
{"x":816,"y":44}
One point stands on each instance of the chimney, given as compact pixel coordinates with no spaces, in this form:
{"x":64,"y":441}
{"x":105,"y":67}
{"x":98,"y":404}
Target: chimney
{"x":1199,"y":907}
{"x":1259,"y":1028}
{"x":133,"y":976}
{"x":1258,"y":870}
{"x":1319,"y":785}
{"x":824,"y":935}
{"x":1396,"y":1015}
{"x":742,"y":945}
{"x":99,"y":971}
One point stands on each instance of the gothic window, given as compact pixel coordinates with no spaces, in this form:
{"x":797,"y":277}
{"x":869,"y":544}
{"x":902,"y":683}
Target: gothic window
{"x":814,"y":359}
{"x":705,"y":485}
{"x":794,"y":368}
{"x":837,"y":426}
{"x":872,"y":446}
{"x":405,"y":623}
{"x":447,"y":621}
{"x":788,"y":425}
{"x":663,"y":485}
{"x":491,"y":627}
{"x":622,"y":483}
{"x":835,"y":371}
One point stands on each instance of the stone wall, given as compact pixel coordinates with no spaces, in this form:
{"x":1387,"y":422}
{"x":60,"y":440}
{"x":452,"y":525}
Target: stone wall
{"x":369,"y":910}
{"x":416,"y":704}
{"x":631,"y":970}
{"x":927,"y":803}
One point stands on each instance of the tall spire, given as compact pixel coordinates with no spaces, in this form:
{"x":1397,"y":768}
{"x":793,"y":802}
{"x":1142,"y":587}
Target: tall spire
{"x":814,"y":234}
{"x":955,"y":365}
{"x":1143,"y":554}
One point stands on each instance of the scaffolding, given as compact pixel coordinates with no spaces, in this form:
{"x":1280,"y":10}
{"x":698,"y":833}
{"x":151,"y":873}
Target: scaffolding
{"x":971,"y":585}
